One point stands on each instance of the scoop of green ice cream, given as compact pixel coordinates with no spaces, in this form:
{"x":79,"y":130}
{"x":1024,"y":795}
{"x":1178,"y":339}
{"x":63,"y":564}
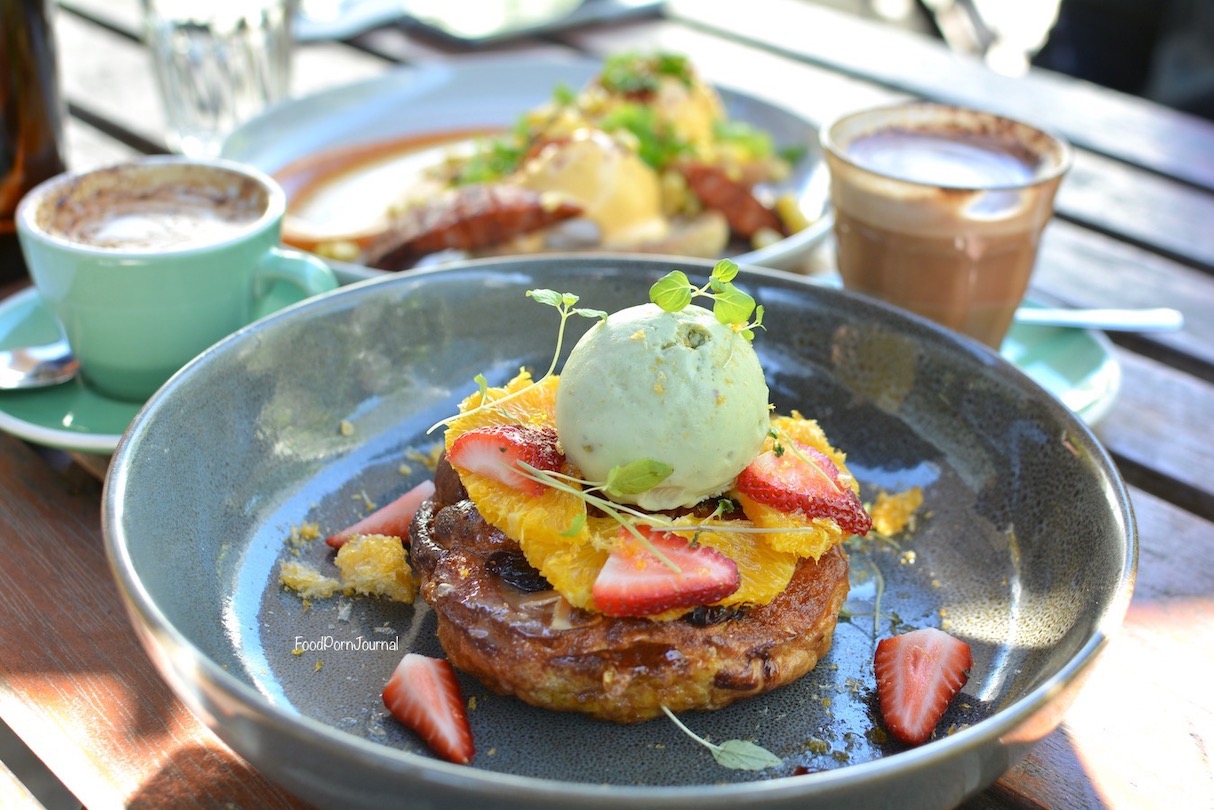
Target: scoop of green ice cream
{"x":679,"y":388}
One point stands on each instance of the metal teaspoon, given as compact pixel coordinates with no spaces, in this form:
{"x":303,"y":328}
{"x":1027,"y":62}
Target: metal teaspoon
{"x":1161,"y":319}
{"x":37,"y":366}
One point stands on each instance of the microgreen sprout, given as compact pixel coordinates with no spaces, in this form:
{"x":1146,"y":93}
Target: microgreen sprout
{"x":633,"y":478}
{"x":565,"y":304}
{"x":731,"y":306}
{"x":629,"y":518}
{"x":739,"y":755}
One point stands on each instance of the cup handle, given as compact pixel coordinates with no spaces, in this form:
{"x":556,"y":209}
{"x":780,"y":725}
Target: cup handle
{"x":303,"y":271}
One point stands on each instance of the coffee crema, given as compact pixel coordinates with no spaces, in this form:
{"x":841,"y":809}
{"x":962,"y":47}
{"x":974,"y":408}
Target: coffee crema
{"x":149,"y":211}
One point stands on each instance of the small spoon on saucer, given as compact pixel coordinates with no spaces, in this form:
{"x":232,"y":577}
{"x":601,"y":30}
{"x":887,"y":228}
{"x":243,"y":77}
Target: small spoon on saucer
{"x":1159,"y":319}
{"x":37,"y":366}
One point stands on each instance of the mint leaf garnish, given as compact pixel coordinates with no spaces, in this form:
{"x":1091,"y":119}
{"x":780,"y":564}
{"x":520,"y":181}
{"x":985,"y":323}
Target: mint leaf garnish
{"x":738,"y":755}
{"x":731,"y":306}
{"x":636,"y":477}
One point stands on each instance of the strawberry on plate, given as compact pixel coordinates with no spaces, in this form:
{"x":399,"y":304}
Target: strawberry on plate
{"x":798,"y":478}
{"x":635,"y":582}
{"x":424,"y":694}
{"x":496,"y":451}
{"x":392,"y":520}
{"x":917,"y":675}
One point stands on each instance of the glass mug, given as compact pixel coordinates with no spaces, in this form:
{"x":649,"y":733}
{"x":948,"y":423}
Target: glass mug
{"x":940,"y":209}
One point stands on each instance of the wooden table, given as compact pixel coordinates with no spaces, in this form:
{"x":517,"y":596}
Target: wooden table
{"x":1135,"y":227}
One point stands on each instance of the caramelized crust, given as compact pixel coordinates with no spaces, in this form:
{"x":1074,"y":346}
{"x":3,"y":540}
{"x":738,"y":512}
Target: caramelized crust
{"x":533,"y":645}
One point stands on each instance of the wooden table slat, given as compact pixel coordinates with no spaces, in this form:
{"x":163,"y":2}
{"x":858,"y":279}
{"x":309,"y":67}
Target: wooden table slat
{"x":74,"y":683}
{"x":14,"y":795}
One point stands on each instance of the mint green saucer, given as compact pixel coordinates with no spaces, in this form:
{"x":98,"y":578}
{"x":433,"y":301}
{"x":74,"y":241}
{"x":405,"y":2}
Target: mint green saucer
{"x":72,"y":416}
{"x":1077,"y":366}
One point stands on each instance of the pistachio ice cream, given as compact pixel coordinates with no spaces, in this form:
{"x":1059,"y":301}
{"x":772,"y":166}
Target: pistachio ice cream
{"x":679,"y":388}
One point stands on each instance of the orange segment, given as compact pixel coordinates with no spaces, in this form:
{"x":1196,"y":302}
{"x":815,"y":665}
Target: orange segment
{"x":765,"y":570}
{"x":817,"y":537}
{"x":520,"y":401}
{"x":572,"y":572}
{"x":536,"y":522}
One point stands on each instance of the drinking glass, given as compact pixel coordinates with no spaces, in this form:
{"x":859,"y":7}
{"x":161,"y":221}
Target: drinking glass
{"x":217,"y":64}
{"x":940,"y":209}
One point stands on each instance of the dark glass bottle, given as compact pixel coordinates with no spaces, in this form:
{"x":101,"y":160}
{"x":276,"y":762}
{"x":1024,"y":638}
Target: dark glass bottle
{"x":31,"y":115}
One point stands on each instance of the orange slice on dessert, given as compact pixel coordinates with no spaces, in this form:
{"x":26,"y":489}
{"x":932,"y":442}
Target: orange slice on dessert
{"x":539,"y":522}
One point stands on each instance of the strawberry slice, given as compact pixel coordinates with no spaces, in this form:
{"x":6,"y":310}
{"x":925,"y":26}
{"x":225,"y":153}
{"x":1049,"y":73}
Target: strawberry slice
{"x":917,"y":675}
{"x":424,"y":695}
{"x":802,"y":479}
{"x":496,"y":451}
{"x":635,"y":582}
{"x":392,"y":520}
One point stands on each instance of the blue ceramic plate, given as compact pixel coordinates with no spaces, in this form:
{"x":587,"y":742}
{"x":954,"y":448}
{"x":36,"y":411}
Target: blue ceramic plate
{"x":1025,"y":547}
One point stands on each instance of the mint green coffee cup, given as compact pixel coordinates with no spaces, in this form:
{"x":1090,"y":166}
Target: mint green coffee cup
{"x":146,"y":264}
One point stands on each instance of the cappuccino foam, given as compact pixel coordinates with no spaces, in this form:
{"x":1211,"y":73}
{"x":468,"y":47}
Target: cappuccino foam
{"x":169,"y":222}
{"x":940,"y":160}
{"x":148,"y":211}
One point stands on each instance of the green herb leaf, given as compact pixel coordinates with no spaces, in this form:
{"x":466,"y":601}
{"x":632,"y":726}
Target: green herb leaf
{"x":672,"y":292}
{"x":725,"y":270}
{"x":636,"y":477}
{"x":792,"y":155}
{"x":656,"y":144}
{"x":736,"y":754}
{"x":743,"y":755}
{"x":733,"y":306}
{"x":753,"y":142}
{"x":492,"y":160}
{"x":550,"y":297}
{"x":563,"y":95}
{"x":633,"y":73}
{"x":591,"y":313}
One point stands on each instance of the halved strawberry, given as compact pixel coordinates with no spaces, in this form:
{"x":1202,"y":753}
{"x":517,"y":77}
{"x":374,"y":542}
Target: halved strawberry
{"x":634,"y":582}
{"x":424,"y":695}
{"x":496,"y":451}
{"x":917,"y":675}
{"x":800,"y":478}
{"x":392,"y":520}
